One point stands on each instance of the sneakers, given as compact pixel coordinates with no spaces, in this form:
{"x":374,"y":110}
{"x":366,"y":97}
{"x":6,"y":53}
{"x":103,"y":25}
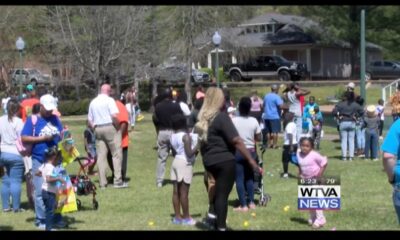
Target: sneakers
{"x":41,"y":226}
{"x":19,"y":210}
{"x":285,"y":175}
{"x":121,"y":185}
{"x":241,"y":209}
{"x":350,"y":159}
{"x":7,"y":210}
{"x":380,"y":138}
{"x":317,"y":225}
{"x":185,"y":222}
{"x":375,"y":159}
{"x":188,"y":222}
{"x":344,"y":159}
{"x":159,"y":185}
{"x":176,"y":221}
{"x":310,"y":222}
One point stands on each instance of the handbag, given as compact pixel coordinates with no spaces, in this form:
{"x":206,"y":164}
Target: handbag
{"x":25,"y":149}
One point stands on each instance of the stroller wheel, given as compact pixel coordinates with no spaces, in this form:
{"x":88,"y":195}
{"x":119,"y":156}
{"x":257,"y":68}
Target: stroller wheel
{"x":95,"y":205}
{"x":264,"y":199}
{"x":78,"y":204}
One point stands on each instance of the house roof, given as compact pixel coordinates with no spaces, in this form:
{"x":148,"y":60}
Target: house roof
{"x":291,"y":31}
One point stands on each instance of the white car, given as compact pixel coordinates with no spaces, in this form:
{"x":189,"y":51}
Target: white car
{"x":29,"y":75}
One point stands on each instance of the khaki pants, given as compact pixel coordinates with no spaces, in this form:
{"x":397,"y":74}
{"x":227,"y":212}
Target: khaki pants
{"x":107,"y":137}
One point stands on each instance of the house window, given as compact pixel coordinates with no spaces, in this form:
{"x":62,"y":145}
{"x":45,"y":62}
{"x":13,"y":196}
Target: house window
{"x":315,"y":61}
{"x":255,"y":29}
{"x":270,"y":28}
{"x":262,"y":28}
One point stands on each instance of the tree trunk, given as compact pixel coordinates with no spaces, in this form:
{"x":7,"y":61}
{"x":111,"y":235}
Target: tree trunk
{"x":188,"y":84}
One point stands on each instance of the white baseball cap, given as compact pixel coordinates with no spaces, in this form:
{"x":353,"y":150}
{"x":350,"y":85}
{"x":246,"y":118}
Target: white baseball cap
{"x":48,"y":102}
{"x":351,"y":85}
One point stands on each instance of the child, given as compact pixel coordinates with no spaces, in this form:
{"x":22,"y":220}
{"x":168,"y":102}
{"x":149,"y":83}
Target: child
{"x":312,"y":165}
{"x":381,"y":115}
{"x":182,"y":169}
{"x":317,"y":121}
{"x":360,"y":130}
{"x":290,"y":142}
{"x":371,"y":123}
{"x":90,"y":148}
{"x":49,"y":187}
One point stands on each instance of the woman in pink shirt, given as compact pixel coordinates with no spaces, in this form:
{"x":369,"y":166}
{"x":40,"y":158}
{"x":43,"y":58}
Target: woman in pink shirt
{"x":312,"y":165}
{"x":256,"y":106}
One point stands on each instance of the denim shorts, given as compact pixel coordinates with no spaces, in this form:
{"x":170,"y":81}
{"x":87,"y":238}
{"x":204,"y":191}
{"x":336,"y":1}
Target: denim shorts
{"x":273,"y":125}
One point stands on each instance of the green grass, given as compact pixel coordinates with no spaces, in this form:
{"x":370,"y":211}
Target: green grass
{"x":320,"y":93}
{"x":366,"y":195}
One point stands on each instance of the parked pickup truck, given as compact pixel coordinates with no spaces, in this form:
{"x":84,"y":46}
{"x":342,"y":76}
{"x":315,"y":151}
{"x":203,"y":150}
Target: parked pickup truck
{"x":266,"y":67}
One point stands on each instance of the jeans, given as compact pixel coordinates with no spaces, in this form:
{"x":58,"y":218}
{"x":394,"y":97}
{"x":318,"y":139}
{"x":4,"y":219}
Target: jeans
{"x":37,"y":183}
{"x":12,"y":180}
{"x":360,"y":135}
{"x":49,"y":200}
{"x":371,"y":143}
{"x":244,"y":179}
{"x":396,"y":203}
{"x":347,"y":132}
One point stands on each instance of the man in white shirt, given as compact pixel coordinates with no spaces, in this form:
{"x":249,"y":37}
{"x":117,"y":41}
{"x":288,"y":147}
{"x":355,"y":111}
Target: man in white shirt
{"x":102,"y":117}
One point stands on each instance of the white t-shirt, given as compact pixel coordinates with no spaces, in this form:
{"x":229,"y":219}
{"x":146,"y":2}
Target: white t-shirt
{"x":290,"y":129}
{"x":47,"y":170}
{"x":8,"y":134}
{"x":179,"y":146}
{"x":101,"y":108}
{"x":380,"y":110}
{"x":247,"y":127}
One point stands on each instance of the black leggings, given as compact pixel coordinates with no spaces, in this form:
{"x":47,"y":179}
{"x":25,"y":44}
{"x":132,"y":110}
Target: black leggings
{"x":286,"y":155}
{"x":224,"y":175}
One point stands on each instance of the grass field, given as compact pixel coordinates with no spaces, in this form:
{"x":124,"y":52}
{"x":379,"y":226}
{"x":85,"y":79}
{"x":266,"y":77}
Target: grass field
{"x":366,"y":196}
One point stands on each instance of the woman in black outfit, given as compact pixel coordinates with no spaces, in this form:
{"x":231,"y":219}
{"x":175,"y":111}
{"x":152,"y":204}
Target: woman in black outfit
{"x":219,"y":140}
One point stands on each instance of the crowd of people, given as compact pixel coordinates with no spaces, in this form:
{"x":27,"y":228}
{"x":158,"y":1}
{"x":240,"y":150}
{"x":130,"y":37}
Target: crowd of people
{"x":225,"y":135}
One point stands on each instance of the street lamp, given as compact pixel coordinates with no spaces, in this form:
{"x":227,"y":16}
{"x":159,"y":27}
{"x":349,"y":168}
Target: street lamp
{"x":217,"y":41}
{"x":20,"y":44}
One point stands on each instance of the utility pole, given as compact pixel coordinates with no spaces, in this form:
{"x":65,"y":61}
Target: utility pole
{"x":362,"y":57}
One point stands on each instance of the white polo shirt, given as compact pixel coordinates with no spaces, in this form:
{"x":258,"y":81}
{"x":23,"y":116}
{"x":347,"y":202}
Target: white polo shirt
{"x":101,"y":109}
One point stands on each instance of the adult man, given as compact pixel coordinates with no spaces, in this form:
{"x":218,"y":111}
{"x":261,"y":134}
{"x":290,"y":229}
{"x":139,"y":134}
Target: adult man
{"x":273,"y":104}
{"x":45,"y":134}
{"x":162,"y":119}
{"x":102,"y":116}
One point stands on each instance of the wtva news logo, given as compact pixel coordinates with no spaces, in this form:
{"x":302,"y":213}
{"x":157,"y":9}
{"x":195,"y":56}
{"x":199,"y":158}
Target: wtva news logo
{"x":319,"y":194}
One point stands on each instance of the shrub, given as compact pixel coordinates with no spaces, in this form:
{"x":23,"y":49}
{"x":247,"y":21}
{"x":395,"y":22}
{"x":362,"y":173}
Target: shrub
{"x":71,"y":107}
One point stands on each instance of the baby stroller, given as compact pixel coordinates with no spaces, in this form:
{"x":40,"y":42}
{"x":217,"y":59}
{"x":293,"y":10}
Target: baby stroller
{"x":81,"y":182}
{"x":83,"y":186}
{"x":259,"y":182}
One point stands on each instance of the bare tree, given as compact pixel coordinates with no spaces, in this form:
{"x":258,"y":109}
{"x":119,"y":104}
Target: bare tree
{"x":98,"y":36}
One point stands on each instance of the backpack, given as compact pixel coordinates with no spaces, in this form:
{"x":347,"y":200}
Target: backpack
{"x":25,"y":149}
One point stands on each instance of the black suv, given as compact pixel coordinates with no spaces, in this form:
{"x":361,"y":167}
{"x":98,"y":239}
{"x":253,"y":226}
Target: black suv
{"x":266,"y":66}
